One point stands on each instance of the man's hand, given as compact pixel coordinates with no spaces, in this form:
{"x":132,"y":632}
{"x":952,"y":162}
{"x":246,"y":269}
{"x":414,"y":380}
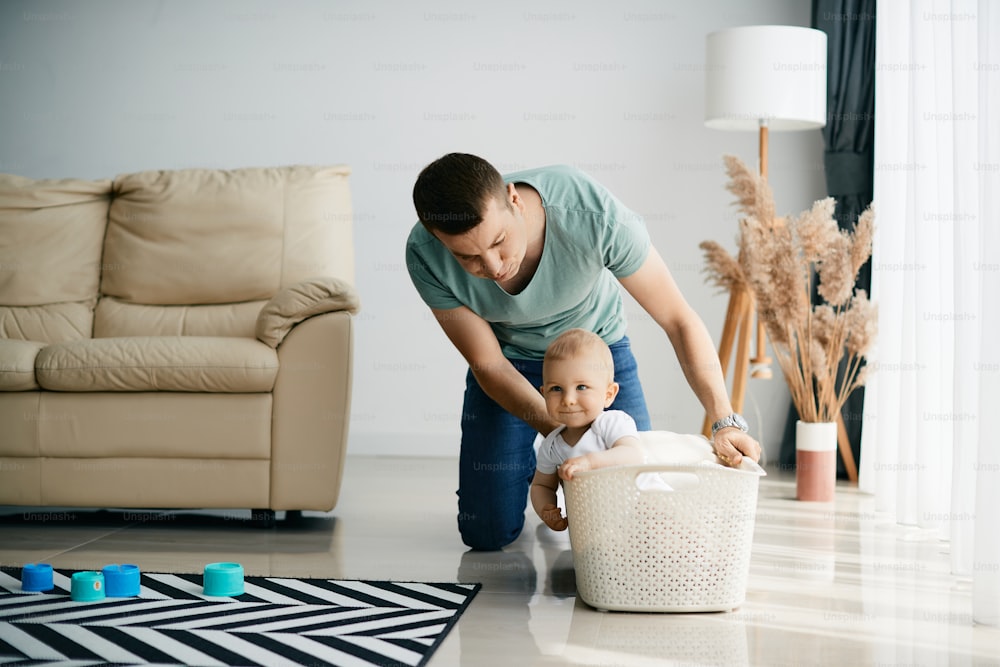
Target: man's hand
{"x":574,"y":465}
{"x":732,"y":444}
{"x":553,"y":518}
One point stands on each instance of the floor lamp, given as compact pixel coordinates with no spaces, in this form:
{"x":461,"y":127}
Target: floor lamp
{"x":760,"y":78}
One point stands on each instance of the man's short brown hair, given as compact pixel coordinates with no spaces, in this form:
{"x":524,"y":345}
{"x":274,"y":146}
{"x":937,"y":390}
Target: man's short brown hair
{"x":451,"y":193}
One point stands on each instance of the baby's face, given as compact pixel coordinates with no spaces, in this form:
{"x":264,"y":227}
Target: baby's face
{"x":576,"y":391}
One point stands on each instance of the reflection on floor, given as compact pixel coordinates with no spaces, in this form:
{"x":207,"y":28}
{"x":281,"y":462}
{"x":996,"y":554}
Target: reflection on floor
{"x":830,"y":584}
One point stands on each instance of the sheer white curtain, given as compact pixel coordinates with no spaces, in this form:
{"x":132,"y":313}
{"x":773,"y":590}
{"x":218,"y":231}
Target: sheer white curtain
{"x":931,"y":441}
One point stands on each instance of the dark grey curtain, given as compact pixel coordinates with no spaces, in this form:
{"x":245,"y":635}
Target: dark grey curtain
{"x":849,"y":137}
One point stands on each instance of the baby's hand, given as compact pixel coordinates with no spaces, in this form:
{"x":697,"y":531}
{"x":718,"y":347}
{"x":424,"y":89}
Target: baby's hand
{"x":553,"y":518}
{"x":574,"y":465}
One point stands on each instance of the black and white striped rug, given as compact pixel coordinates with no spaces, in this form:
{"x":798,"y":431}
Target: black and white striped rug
{"x":277,"y":621}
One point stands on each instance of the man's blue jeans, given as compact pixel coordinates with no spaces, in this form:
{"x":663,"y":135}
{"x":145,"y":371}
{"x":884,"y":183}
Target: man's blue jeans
{"x":497,"y":459}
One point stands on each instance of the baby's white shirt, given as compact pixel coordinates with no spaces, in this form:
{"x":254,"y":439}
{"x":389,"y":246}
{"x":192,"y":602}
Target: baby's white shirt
{"x":607,"y":429}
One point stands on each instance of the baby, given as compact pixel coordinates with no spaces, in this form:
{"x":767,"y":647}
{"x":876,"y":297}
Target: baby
{"x":578,"y":384}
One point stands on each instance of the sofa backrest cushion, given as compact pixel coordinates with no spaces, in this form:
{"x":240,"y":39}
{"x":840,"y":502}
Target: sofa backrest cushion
{"x":50,"y":323}
{"x":116,"y":318}
{"x":208,"y":236}
{"x":51,"y":238}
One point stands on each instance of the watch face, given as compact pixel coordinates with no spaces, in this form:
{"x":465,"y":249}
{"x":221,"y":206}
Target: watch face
{"x":738,"y":420}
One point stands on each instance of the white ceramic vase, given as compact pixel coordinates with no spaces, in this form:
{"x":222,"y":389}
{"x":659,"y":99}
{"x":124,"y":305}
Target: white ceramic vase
{"x":815,"y":461}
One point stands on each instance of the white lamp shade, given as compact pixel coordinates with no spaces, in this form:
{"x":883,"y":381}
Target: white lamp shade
{"x":773,"y":74}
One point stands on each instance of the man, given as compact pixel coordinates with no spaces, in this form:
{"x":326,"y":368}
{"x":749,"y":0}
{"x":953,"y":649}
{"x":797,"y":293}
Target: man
{"x":506,"y":266}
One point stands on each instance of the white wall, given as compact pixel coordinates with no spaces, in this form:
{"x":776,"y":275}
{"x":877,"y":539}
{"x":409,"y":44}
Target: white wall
{"x":97,"y":88}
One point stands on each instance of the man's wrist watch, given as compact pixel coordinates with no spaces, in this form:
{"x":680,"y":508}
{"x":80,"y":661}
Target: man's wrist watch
{"x":734,"y":419}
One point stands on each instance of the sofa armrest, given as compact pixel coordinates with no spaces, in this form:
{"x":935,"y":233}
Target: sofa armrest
{"x":302,"y":301}
{"x":311,"y":413}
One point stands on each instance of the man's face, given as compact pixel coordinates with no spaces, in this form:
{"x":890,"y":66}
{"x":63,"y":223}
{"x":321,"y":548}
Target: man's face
{"x":493,"y":249}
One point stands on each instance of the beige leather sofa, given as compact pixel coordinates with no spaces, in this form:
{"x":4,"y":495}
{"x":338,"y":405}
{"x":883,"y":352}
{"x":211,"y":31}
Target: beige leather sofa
{"x":176,"y":339}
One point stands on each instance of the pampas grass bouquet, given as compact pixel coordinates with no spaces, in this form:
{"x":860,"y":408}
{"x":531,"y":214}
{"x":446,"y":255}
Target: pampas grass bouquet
{"x":820,"y":344}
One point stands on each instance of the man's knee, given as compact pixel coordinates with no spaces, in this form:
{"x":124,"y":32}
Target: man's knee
{"x":488,"y":533}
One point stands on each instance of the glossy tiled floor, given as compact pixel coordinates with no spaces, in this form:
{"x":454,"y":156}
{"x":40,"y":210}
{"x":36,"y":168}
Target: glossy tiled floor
{"x":831,"y":584}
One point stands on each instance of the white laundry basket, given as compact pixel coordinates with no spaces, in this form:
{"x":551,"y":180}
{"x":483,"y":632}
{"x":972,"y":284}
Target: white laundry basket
{"x":639,"y":547}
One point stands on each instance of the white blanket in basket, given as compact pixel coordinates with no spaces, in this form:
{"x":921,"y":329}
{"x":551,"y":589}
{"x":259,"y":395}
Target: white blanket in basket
{"x":668,"y":448}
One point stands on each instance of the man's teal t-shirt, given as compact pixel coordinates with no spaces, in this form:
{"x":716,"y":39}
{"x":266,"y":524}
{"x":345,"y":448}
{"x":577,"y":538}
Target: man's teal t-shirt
{"x":591,"y":239}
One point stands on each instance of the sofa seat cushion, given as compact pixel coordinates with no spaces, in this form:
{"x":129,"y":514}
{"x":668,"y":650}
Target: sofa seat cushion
{"x":158,"y":363}
{"x":17,"y":364}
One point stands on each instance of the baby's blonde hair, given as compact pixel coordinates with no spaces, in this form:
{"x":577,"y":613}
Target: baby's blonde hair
{"x":574,"y":342}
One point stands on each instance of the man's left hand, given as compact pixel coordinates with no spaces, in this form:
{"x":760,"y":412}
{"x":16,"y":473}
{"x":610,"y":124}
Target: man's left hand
{"x":732,"y":444}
